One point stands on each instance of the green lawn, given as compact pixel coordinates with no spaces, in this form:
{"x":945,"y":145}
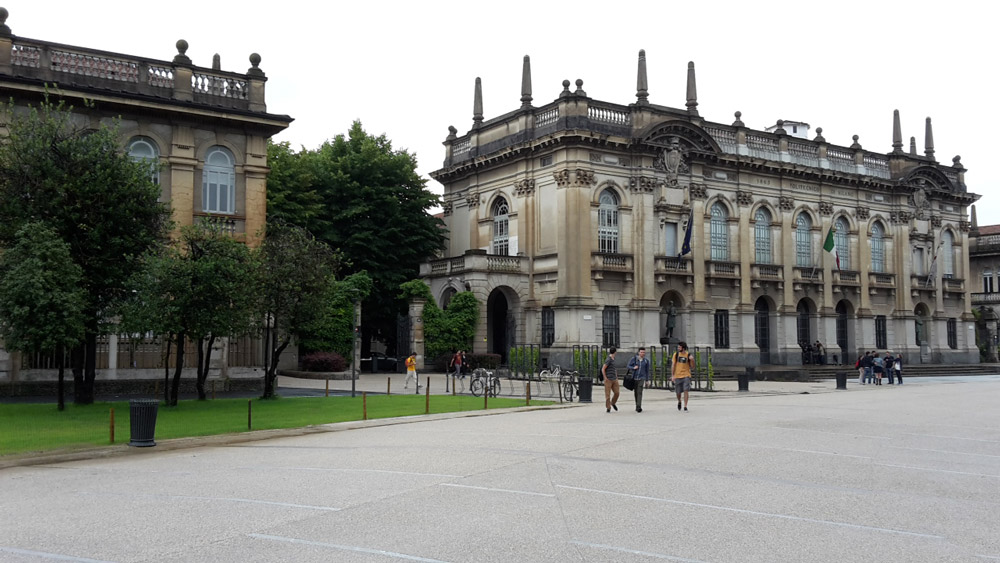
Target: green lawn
{"x":40,"y":427}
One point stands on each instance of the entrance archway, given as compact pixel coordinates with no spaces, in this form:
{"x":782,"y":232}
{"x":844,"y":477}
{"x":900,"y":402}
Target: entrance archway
{"x":501,"y":327}
{"x":762,"y":329}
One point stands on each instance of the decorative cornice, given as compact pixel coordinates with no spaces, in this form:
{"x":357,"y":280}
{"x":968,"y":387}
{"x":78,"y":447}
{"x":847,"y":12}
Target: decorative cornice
{"x":825,"y":208}
{"x":862,"y":212}
{"x":744,"y":198}
{"x":585,"y":177}
{"x":524,"y":187}
{"x":641,"y":184}
{"x":561,"y":177}
{"x":786,"y":203}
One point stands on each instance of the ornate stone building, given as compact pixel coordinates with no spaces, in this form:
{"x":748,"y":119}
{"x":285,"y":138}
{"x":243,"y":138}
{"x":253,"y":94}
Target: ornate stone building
{"x":568,"y":222}
{"x":205,"y":130}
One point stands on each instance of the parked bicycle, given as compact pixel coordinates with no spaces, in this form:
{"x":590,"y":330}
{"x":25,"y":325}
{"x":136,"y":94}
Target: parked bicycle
{"x":568,"y":381}
{"x":484,"y":381}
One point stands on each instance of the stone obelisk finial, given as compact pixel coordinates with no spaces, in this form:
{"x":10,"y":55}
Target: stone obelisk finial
{"x":641,"y":84}
{"x":692,"y":91}
{"x":477,"y":105}
{"x":913,"y":146}
{"x":897,"y":133}
{"x":526,"y":83}
{"x":928,"y":140}
{"x":975,"y":223}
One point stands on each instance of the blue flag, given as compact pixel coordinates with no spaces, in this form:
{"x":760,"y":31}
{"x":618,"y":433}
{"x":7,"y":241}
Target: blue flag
{"x":686,"y":247}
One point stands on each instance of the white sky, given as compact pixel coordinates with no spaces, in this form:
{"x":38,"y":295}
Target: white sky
{"x":407,"y":69}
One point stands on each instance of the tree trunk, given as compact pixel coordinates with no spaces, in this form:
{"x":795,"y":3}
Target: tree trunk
{"x":204,"y":361}
{"x":89,"y":368}
{"x":76,"y":361}
{"x":176,"y":387}
{"x":272,"y":370}
{"x":166,"y":371}
{"x":61,"y":385}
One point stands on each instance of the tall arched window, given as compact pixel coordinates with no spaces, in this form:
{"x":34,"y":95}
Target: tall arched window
{"x":501,"y":227}
{"x":803,"y":241}
{"x":877,"y":242}
{"x":219,"y":182}
{"x":607,"y":222}
{"x":841,"y":236}
{"x":947,"y":255}
{"x":720,"y":232}
{"x":143,"y":149}
{"x":762,"y":235}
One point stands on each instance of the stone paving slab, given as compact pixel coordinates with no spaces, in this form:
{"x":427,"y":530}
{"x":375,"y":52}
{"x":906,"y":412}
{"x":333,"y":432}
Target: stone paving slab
{"x":908,"y":473}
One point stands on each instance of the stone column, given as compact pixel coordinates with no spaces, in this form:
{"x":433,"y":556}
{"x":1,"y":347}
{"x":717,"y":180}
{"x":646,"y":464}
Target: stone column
{"x":417,"y":330}
{"x":182,"y":161}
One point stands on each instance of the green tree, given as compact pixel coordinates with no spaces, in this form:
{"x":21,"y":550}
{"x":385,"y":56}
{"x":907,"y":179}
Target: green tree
{"x":295,"y":273}
{"x":80,"y":183}
{"x":449,"y":330}
{"x":41,"y":298}
{"x":376,"y":211}
{"x":332,"y":328}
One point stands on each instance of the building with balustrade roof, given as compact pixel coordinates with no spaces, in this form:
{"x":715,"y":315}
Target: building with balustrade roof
{"x":571,"y":222}
{"x":204,"y":129}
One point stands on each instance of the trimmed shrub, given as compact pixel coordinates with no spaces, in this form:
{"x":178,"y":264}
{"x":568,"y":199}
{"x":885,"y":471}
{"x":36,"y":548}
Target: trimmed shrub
{"x":324,"y":361}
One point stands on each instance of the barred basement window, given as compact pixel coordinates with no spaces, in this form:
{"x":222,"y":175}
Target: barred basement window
{"x":548,"y":327}
{"x":722,"y":329}
{"x":612,"y":335}
{"x":953,"y":334}
{"x":881,"y":339}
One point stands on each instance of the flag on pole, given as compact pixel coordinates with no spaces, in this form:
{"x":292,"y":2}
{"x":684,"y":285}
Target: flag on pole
{"x":686,"y":247}
{"x":831,"y":245}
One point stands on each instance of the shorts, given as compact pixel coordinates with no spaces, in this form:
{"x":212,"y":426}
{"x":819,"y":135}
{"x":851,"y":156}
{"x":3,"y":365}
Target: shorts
{"x":682,"y":384}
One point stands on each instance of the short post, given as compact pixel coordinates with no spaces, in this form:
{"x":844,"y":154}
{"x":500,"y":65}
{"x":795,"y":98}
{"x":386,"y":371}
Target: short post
{"x":364,"y":405}
{"x":527,"y":394}
{"x":446,"y":378}
{"x":249,"y":414}
{"x":388,"y":385}
{"x":427,"y":396}
{"x":486,"y":398}
{"x":328,"y":387}
{"x":156,"y":388}
{"x":453,"y":383}
{"x":112,"y":425}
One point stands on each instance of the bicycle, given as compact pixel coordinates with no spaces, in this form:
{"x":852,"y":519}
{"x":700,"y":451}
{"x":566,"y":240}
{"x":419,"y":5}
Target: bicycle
{"x":484,"y":381}
{"x":565,"y":381}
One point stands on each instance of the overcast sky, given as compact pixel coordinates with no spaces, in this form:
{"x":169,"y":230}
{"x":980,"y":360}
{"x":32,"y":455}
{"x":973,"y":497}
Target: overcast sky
{"x":408,"y":69}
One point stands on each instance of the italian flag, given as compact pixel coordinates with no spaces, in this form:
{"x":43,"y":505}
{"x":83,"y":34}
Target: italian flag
{"x":831,"y":246}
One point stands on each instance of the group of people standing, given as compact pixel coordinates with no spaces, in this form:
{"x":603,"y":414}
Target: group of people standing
{"x":872,"y":367}
{"x":638,"y":369}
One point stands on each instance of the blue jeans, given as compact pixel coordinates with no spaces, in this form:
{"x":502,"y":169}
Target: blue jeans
{"x":869,"y":375}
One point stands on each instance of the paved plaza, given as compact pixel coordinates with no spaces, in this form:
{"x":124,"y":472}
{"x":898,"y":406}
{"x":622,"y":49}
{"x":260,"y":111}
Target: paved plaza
{"x":904,"y":473}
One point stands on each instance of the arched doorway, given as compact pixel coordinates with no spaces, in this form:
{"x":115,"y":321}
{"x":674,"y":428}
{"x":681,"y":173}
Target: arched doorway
{"x":762,"y":329}
{"x":845,"y":331}
{"x":500,"y":324}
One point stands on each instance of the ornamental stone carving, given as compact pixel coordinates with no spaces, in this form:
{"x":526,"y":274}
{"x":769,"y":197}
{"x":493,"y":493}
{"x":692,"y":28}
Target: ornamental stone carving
{"x":622,"y":161}
{"x":585,"y":177}
{"x":964,"y":226}
{"x":825,"y":208}
{"x":446,"y":208}
{"x":786,"y":203}
{"x":744,"y":198}
{"x":862,"y":212}
{"x":561,"y":177}
{"x":641,"y":184}
{"x":595,"y":157}
{"x":671,"y":160}
{"x":472,"y":200}
{"x":905,"y":216}
{"x":935,"y":221}
{"x":524,"y":187}
{"x":699,"y":191}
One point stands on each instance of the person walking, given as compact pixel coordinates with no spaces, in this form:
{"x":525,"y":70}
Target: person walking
{"x":638,"y":368}
{"x":897,"y":366}
{"x":611,"y":385}
{"x":680,"y":374}
{"x":456,"y":364}
{"x":411,"y":371}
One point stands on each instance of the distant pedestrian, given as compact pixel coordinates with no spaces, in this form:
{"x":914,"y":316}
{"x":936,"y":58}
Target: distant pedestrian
{"x":465,"y":363}
{"x":611,"y":388}
{"x":859,"y":365}
{"x":456,"y":364}
{"x":411,"y":371}
{"x":877,"y":366}
{"x":887,"y":363}
{"x":867,"y":363}
{"x":680,"y":374}
{"x":638,"y":368}
{"x":897,"y":366}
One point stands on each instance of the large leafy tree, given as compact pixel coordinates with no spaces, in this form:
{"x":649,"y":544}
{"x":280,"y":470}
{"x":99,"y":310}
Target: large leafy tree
{"x":79,"y":182}
{"x":41,"y":298}
{"x":375,"y":209}
{"x":445,"y":330}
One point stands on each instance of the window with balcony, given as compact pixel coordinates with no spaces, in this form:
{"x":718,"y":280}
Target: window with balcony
{"x":803,"y":241}
{"x":548,"y":327}
{"x":841,"y":237}
{"x":501,"y":228}
{"x":762,"y":236}
{"x":722,"y":329}
{"x":607,"y":222}
{"x":877,"y":243}
{"x":611,"y":331}
{"x":720,"y":232}
{"x":219,"y":182}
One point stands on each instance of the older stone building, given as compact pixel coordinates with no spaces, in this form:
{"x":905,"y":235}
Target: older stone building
{"x":571,"y":222}
{"x":205,"y":131}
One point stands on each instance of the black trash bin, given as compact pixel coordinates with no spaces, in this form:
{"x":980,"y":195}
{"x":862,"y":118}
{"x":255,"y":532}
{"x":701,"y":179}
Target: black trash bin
{"x":142,"y":419}
{"x":744,"y":378}
{"x":841,"y":380}
{"x":586,"y":390}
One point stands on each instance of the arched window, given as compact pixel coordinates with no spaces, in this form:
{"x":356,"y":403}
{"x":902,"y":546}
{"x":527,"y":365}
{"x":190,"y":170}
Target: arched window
{"x":803,"y":241}
{"x":841,"y":237}
{"x":720,"y":232}
{"x":607,"y":222}
{"x":219,"y":182}
{"x":143,"y":149}
{"x":501,"y":227}
{"x":947,"y":255}
{"x":878,"y":248}
{"x":762,"y":235}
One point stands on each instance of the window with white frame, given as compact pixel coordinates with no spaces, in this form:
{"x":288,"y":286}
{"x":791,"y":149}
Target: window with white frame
{"x":947,"y":255}
{"x":607,"y":223}
{"x":670,"y":239}
{"x":720,"y":232}
{"x":143,"y":149}
{"x":988,"y":281}
{"x":219,"y":182}
{"x":501,"y":228}
{"x":762,"y":236}
{"x":841,"y":238}
{"x":877,"y":242}
{"x":803,"y":240}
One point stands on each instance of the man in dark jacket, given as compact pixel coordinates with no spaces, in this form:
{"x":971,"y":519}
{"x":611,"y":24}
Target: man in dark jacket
{"x":638,"y":368}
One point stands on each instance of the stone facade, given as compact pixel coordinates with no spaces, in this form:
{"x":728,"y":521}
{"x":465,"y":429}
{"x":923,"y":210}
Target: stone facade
{"x":590,"y":253}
